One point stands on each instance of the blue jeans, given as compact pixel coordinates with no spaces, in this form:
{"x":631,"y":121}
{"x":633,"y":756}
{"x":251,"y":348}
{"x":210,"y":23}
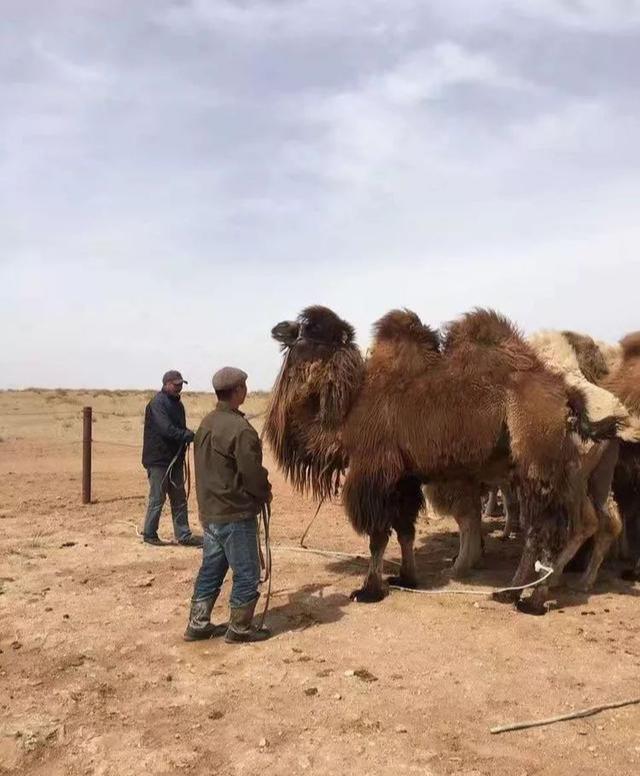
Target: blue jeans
{"x":232,"y":545}
{"x":159,"y":487}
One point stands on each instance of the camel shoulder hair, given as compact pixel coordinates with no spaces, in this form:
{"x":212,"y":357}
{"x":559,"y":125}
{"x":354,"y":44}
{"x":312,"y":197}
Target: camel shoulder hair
{"x":404,"y":326}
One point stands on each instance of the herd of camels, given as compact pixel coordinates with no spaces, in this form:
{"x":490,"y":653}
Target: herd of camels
{"x":552,"y":420}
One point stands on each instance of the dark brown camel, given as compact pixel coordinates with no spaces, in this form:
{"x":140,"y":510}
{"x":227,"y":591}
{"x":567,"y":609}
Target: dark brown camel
{"x":624,"y":382}
{"x":457,"y":411}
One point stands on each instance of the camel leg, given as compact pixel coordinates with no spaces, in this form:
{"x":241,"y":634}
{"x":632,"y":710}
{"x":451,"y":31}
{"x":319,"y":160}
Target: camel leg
{"x":409,"y":502}
{"x":373,"y":589}
{"x":525,"y":572}
{"x":631,"y":520}
{"x":584,"y":523}
{"x":491,"y":507}
{"x":407,"y":576}
{"x":462,"y":501}
{"x":535,"y":604}
{"x":471,"y":544}
{"x":537,"y":546}
{"x":609,"y":529}
{"x":513,"y":518}
{"x":609,"y":523}
{"x":626,"y":489}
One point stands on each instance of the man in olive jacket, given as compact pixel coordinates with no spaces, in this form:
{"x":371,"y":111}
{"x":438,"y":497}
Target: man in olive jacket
{"x":232,"y":486}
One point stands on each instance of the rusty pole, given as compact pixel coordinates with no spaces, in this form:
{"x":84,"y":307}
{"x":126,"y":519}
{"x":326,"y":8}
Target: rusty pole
{"x":86,"y":454}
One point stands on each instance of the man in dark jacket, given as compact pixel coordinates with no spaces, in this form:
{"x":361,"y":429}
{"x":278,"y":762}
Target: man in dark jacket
{"x":166,"y":437}
{"x":232,"y":486}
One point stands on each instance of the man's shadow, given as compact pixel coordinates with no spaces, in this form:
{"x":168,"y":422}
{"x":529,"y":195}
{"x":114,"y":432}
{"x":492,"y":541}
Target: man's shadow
{"x":306,"y":607}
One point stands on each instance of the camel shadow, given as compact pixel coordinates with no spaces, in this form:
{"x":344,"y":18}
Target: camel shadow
{"x":435,"y":554}
{"x":499,"y":562}
{"x":307,"y":607}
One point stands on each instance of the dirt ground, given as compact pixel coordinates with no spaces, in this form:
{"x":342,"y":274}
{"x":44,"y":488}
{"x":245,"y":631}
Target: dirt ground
{"x":96,"y":679}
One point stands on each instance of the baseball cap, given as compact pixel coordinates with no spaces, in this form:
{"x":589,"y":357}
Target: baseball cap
{"x":173,"y":376}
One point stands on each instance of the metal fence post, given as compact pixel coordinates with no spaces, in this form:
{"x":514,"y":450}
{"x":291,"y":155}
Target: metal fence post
{"x":87,"y":419}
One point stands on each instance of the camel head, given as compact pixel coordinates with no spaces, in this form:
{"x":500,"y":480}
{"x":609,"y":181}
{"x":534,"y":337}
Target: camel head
{"x":315,"y":325}
{"x":321,"y":376}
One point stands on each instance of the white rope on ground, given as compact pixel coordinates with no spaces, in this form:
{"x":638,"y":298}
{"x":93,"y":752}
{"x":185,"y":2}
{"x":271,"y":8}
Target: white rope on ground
{"x":130,"y":523}
{"x":538,"y":567}
{"x":328,"y":553}
{"x":440,"y":591}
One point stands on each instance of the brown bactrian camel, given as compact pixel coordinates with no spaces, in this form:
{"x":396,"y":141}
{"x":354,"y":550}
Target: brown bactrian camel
{"x":623,"y":380}
{"x":458,"y":410}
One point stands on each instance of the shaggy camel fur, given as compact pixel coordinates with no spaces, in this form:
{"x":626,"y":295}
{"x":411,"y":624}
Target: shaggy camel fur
{"x":581,"y":362}
{"x":457,"y":411}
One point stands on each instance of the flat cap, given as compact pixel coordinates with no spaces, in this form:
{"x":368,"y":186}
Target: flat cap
{"x":227,"y":378}
{"x":172,"y":376}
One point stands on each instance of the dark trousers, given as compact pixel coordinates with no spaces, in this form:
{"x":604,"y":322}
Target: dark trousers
{"x":230,"y":545}
{"x":159,"y":487}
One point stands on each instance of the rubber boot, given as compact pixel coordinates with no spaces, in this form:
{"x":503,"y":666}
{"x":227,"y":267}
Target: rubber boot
{"x":240,"y":630}
{"x":200,"y":625}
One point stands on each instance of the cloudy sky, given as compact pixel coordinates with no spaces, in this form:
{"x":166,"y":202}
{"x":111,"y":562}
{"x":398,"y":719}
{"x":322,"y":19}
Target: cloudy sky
{"x":177,"y":176}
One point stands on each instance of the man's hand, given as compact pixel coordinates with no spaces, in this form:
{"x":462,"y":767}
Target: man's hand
{"x":189,"y":436}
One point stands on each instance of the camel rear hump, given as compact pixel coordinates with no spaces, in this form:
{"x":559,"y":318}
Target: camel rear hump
{"x":481,"y":326}
{"x":631,"y":346}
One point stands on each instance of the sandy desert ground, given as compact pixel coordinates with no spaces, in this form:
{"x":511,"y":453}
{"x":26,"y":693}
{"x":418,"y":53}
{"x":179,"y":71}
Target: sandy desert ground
{"x":96,"y":679}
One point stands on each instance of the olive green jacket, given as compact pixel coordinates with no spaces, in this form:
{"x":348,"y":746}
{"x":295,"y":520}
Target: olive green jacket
{"x":231,"y":482}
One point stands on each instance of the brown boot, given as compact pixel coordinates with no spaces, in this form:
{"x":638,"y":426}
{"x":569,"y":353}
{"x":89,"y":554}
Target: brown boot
{"x":240,"y":630}
{"x":199,"y":626}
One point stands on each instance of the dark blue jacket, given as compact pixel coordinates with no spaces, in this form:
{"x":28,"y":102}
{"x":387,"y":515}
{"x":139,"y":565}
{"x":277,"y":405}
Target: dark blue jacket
{"x":165,"y":430}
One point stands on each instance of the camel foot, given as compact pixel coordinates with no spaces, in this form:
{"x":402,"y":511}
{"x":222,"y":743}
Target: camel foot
{"x":460,"y":570}
{"x":528,"y":606}
{"x":401,"y":581}
{"x":581,"y":585}
{"x":367,"y":596}
{"x":506,"y":596}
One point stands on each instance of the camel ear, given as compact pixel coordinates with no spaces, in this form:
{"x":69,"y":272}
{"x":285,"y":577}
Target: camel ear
{"x":286,"y":332}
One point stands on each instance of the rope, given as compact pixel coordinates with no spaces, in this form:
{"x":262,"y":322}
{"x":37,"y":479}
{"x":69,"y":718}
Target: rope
{"x":54,"y":414}
{"x":308,"y":528}
{"x":265,"y":557}
{"x":328,"y":553}
{"x":54,"y":443}
{"x":539,"y":567}
{"x":114,"y":444}
{"x":441,"y":591}
{"x":184,"y":447}
{"x":187,"y":471}
{"x":66,"y":414}
{"x":129,"y":522}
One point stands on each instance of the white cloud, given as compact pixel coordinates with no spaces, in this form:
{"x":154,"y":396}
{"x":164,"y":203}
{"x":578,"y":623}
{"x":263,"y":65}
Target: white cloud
{"x":294,"y":18}
{"x":178,"y":177}
{"x":617,"y":16}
